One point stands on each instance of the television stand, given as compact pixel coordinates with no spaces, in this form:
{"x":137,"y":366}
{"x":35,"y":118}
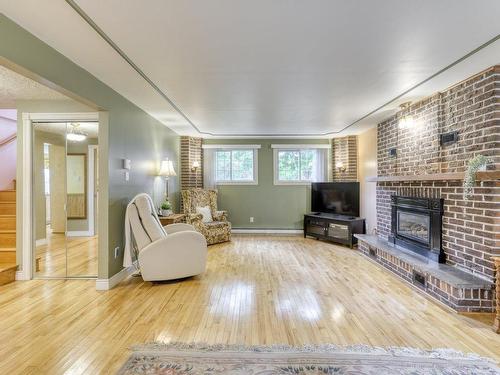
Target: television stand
{"x":331,"y":227}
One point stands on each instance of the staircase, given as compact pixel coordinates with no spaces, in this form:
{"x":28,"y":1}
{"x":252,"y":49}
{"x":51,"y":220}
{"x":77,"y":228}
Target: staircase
{"x":8,"y":264}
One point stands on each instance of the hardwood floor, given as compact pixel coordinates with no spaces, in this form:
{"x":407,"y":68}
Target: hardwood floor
{"x":81,"y":253}
{"x":257,"y":290}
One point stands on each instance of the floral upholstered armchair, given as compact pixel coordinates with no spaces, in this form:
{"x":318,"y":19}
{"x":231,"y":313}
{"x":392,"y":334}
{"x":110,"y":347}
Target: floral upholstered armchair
{"x":200,"y":208}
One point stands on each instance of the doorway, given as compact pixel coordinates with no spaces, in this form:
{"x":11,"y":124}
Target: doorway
{"x":65,"y":198}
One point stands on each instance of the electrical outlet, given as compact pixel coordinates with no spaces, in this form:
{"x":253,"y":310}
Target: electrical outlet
{"x":127,"y":176}
{"x":117,"y":251}
{"x":251,"y":219}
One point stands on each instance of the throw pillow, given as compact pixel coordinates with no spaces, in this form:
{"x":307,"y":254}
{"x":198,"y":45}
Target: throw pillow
{"x":206,"y":213}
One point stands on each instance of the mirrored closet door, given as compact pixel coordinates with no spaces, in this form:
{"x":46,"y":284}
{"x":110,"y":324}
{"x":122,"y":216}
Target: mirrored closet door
{"x":65,"y":194}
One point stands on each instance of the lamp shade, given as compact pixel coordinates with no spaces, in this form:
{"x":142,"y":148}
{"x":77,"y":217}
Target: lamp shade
{"x":167,"y":169}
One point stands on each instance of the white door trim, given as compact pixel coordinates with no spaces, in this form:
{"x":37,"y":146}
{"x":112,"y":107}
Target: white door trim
{"x":91,"y":188}
{"x":26,"y":164}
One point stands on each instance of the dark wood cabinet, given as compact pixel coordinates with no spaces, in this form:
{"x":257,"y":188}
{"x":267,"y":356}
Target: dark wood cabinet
{"x":335,"y":228}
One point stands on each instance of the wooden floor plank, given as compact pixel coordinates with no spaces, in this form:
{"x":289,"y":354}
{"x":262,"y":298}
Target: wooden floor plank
{"x":257,"y":290}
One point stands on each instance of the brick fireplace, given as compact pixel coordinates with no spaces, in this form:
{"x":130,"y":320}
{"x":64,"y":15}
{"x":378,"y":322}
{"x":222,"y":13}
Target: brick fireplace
{"x":427,"y":161}
{"x":471,"y":108}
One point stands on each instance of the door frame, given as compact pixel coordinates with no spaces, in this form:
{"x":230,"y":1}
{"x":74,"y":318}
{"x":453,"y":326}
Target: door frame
{"x":28,"y":219}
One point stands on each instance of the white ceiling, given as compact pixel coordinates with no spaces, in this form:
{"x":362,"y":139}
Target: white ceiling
{"x":14,"y":87}
{"x":260,"y":67}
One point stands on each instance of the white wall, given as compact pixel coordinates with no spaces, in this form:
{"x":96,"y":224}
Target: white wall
{"x":8,"y":126}
{"x":367,"y":153}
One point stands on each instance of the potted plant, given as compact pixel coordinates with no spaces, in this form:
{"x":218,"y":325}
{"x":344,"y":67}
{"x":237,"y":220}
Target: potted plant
{"x":477,"y":163}
{"x":166,"y":208}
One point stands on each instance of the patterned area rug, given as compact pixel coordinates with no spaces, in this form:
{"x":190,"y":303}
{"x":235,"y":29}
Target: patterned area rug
{"x":194,"y":359}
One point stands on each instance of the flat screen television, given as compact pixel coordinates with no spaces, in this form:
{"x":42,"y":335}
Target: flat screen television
{"x":340,"y":198}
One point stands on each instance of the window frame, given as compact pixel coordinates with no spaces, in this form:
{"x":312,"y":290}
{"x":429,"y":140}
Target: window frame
{"x":294,"y":148}
{"x":254,"y":181}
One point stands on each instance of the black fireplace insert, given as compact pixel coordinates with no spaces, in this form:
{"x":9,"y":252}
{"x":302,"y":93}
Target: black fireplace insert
{"x":416,"y":224}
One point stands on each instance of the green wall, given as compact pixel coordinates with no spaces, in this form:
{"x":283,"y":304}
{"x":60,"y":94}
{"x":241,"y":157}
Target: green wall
{"x":125,"y":131}
{"x":272,"y":206}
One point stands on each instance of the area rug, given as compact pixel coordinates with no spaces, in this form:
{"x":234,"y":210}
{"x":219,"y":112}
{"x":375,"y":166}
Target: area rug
{"x":195,"y":359}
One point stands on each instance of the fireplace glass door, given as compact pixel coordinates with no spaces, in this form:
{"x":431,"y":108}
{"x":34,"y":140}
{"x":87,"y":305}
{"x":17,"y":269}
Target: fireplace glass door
{"x":414,"y":226}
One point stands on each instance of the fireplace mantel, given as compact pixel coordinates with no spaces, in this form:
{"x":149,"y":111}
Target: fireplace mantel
{"x":452,"y":176}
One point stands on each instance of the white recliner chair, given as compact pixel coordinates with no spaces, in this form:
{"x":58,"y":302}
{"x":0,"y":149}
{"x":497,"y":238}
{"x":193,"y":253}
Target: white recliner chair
{"x":163,"y":253}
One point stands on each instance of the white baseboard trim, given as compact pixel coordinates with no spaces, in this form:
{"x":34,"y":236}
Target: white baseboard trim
{"x":267,"y":231}
{"x":41,"y":242}
{"x":79,"y":233}
{"x":20,"y":276}
{"x":107,"y":284}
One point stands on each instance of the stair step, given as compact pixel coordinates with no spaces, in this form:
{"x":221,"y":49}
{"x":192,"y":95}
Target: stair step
{"x":7,"y":195}
{"x":8,"y":255}
{"x":7,"y":208}
{"x":7,"y":238}
{"x":7,"y":273}
{"x":7,"y":222}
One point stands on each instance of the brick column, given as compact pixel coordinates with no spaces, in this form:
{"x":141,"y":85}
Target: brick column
{"x":345,"y":152}
{"x":496,"y":325}
{"x":191,"y":151}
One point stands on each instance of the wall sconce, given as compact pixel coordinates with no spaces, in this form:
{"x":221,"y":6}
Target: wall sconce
{"x":194,"y":168}
{"x":406,"y":121}
{"x":340,"y":167}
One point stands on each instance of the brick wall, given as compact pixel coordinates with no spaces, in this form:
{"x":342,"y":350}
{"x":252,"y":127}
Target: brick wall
{"x":470,"y":227}
{"x":191,"y":151}
{"x":345,"y":152}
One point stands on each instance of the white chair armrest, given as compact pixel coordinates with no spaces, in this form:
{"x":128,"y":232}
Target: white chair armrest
{"x":179,"y":227}
{"x":176,"y":256}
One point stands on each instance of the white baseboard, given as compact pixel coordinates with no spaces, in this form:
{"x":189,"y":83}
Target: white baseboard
{"x":267,"y":231}
{"x":107,"y":284}
{"x":79,"y":233}
{"x":41,"y":242}
{"x":20,"y":276}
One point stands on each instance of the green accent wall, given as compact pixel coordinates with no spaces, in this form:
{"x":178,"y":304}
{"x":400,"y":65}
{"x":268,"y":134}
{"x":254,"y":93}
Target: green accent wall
{"x":126,"y":132}
{"x":271,"y":206}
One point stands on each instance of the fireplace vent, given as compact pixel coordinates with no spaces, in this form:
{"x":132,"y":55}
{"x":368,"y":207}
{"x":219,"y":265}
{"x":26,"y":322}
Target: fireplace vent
{"x":419,"y":279}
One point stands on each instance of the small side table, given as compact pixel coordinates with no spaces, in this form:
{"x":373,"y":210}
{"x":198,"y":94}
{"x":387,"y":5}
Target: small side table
{"x":172,"y":219}
{"x":496,"y":325}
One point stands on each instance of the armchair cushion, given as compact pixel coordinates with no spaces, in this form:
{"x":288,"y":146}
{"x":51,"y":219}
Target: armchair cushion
{"x":206,"y":213}
{"x":178,"y":227}
{"x":149,"y":219}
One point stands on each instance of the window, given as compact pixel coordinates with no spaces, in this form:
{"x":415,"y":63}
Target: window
{"x":235,"y":166}
{"x":299,"y":165}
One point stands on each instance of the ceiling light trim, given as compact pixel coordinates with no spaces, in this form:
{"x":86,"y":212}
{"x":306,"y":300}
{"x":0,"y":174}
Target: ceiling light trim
{"x":129,"y":61}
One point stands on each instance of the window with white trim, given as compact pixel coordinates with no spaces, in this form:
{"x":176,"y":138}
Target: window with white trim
{"x":235,"y":166}
{"x":299,"y":165}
